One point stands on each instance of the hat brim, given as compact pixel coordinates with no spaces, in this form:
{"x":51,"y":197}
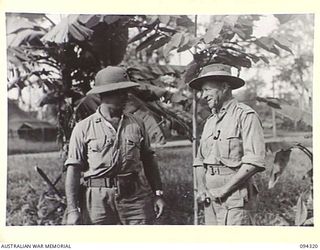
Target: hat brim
{"x":112,"y":87}
{"x":235,"y":82}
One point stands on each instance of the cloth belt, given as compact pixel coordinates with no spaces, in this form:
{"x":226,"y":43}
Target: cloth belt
{"x":219,"y":169}
{"x":101,"y":182}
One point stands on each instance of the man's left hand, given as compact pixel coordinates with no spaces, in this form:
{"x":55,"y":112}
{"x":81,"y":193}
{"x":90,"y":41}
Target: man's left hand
{"x":159,"y":205}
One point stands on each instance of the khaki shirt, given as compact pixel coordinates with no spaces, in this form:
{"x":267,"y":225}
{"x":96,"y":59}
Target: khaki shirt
{"x":232,"y":137}
{"x":91,"y":145}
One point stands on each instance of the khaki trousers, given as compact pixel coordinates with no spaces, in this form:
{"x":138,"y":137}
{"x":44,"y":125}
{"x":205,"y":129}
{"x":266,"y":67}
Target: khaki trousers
{"x":236,"y":209}
{"x":101,"y":206}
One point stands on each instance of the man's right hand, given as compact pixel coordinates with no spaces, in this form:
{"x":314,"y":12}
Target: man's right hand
{"x":201,"y":195}
{"x":73,"y":217}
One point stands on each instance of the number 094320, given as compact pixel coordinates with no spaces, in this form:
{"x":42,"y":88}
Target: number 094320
{"x":308,"y":246}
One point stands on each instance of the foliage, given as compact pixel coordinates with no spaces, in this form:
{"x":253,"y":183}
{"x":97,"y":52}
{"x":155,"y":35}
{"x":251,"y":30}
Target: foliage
{"x":294,"y":83}
{"x":64,"y":55}
{"x":80,"y":45}
{"x":288,"y":111}
{"x":281,"y":161}
{"x":225,"y":41}
{"x":26,"y":204}
{"x":276,"y":206}
{"x":228,"y":39}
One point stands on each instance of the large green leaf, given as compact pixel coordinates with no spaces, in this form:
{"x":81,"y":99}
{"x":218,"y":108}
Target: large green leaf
{"x":188,"y":43}
{"x":17,"y":56}
{"x":230,"y":20}
{"x":301,"y":212}
{"x":254,"y":58}
{"x":272,"y":102}
{"x":16,"y":24}
{"x":280,"y":162}
{"x":267,"y":43}
{"x":191,"y":71}
{"x":167,"y":29}
{"x":68,"y":28}
{"x":180,"y":119}
{"x":25,"y":37}
{"x":93,"y":20}
{"x":213,"y":32}
{"x":109,"y":42}
{"x":240,"y":33}
{"x":145,"y":71}
{"x":178,"y":97}
{"x":173,"y":44}
{"x":283,"y":18}
{"x":283,"y":148}
{"x":186,"y":22}
{"x":176,"y":40}
{"x":150,"y":92}
{"x":152,"y":20}
{"x":238,"y":61}
{"x":164,"y":19}
{"x":20,"y":31}
{"x":283,"y":43}
{"x":140,"y":35}
{"x":263,"y":58}
{"x":159,"y":43}
{"x":147,"y":42}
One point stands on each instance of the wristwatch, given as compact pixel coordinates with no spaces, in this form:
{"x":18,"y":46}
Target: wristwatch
{"x":159,"y":193}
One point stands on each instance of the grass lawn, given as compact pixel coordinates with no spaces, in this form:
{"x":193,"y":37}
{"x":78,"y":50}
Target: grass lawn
{"x":21,"y":146}
{"x":28,"y":205}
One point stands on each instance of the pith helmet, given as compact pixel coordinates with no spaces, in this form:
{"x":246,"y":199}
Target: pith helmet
{"x":110,"y":79}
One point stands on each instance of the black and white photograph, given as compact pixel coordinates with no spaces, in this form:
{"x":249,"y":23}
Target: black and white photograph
{"x":140,"y":119}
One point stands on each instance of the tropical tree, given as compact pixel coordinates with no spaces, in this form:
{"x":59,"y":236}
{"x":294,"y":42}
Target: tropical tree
{"x":80,"y":45}
{"x":67,"y":55}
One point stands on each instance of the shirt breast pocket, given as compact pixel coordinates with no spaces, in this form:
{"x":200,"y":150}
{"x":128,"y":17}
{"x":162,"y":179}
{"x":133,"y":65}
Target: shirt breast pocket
{"x":97,"y":145}
{"x":231,"y":145}
{"x":132,"y":148}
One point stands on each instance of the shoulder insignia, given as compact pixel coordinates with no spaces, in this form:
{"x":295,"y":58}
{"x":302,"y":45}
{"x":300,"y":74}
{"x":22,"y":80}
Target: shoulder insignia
{"x":245,"y":108}
{"x":137,"y":119}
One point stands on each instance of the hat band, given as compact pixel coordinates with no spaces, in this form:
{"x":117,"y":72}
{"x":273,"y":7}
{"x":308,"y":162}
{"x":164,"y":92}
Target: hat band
{"x":217,"y":73}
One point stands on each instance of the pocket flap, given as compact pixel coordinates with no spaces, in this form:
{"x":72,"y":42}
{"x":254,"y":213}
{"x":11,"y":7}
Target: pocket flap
{"x":133,"y":141}
{"x":234,"y":133}
{"x":97,"y":144}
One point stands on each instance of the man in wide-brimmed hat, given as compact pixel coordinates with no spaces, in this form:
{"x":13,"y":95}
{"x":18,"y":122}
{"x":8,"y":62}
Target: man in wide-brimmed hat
{"x":112,"y":150}
{"x":231,"y":150}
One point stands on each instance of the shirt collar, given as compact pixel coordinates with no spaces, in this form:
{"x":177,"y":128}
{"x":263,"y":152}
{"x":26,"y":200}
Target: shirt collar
{"x":100,"y":118}
{"x":228,"y":105}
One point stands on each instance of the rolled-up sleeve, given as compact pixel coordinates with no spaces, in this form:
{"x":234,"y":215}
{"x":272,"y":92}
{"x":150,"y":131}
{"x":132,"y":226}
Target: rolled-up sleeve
{"x":146,"y":145}
{"x":77,"y":149}
{"x":149,"y":161}
{"x":253,"y":141}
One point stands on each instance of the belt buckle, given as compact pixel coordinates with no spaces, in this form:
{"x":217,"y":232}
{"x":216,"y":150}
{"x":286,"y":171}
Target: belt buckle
{"x":215,"y":170}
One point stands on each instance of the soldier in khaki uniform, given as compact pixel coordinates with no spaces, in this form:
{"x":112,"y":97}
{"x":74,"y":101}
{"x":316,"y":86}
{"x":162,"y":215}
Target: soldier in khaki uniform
{"x":112,"y":150}
{"x":231,"y":150}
